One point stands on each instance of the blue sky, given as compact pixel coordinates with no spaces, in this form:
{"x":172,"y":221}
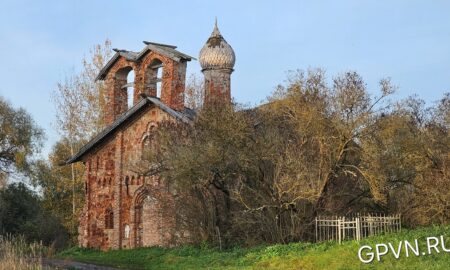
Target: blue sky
{"x":409,"y":41}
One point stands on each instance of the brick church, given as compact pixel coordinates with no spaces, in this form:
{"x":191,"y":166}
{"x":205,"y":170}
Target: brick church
{"x":123,"y":209}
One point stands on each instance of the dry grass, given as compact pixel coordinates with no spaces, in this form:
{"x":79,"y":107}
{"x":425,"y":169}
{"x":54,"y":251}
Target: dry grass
{"x":17,"y":254}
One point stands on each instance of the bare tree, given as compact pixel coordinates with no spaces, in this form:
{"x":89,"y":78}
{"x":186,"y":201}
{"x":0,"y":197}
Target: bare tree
{"x":194,"y":92}
{"x":79,"y":101}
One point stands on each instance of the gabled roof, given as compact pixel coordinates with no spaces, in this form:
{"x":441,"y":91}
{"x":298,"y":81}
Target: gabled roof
{"x":164,"y":49}
{"x":186,"y":116}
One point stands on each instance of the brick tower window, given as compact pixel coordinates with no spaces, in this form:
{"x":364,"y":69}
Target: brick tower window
{"x":123,"y":90}
{"x":130,"y":89}
{"x":158,"y":82}
{"x":153,"y":76}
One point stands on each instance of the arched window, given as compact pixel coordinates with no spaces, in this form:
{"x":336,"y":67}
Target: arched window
{"x":130,"y":89}
{"x":125,"y":85}
{"x":158,"y":82}
{"x":109,"y":218}
{"x":153,"y":77}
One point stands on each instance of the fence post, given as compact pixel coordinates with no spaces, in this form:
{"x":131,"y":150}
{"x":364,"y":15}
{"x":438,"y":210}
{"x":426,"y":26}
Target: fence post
{"x":339,"y":229}
{"x":358,"y":230}
{"x":343,"y":228}
{"x":316,"y":232}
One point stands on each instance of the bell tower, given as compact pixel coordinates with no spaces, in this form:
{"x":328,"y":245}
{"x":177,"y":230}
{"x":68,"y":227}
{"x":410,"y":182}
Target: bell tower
{"x":158,"y":70}
{"x":217,"y":61}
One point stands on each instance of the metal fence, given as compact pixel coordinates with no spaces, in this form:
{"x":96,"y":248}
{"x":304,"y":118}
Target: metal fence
{"x":355,"y":227}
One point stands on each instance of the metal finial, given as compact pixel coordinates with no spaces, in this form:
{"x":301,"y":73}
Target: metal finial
{"x":216,"y":31}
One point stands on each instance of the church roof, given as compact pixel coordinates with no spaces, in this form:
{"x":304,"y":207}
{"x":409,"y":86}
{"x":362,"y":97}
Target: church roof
{"x":186,"y":116}
{"x":164,"y":49}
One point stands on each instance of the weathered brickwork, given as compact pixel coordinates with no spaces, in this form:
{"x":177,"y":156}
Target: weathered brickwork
{"x":217,"y":85}
{"x":144,"y":204}
{"x":145,"y":81}
{"x":124,"y":209}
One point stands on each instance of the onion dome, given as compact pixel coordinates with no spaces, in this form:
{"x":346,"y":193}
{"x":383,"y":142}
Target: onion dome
{"x":217,"y":53}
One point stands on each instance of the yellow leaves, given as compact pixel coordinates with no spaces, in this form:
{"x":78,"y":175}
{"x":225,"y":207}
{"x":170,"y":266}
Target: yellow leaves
{"x":79,"y":99}
{"x":20,"y":158}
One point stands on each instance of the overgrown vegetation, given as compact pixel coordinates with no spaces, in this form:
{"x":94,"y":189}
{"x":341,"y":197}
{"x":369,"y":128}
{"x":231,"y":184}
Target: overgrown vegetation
{"x":17,"y":254}
{"x":47,"y":206}
{"x":289,"y":256}
{"x":21,"y":209}
{"x":20,"y":139}
{"x":313,"y":148}
{"x":22,"y":215}
{"x":79,"y":102}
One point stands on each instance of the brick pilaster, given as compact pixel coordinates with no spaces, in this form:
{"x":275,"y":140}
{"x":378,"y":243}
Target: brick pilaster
{"x":117,"y":235}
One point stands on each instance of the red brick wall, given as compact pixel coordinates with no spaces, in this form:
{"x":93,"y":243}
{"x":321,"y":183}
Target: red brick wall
{"x":111,"y":183}
{"x":172,"y":85}
{"x":100,"y":179}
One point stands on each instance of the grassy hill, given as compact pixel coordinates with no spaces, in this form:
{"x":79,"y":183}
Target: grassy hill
{"x":290,"y":256}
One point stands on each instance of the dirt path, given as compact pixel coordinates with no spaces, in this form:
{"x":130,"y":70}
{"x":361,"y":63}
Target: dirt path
{"x":66,"y":264}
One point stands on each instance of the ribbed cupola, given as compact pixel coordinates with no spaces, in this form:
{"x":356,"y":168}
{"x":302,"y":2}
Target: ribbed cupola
{"x":217,"y":60}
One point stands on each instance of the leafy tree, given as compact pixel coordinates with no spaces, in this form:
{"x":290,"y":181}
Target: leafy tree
{"x":55,"y":183}
{"x":18,"y":206}
{"x":308,"y":148}
{"x":20,"y":138}
{"x":79,"y":99}
{"x":313,"y":148}
{"x":79,"y":102}
{"x":21,"y":214}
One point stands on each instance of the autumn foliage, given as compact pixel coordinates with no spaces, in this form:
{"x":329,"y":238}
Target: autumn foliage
{"x":262,"y":174}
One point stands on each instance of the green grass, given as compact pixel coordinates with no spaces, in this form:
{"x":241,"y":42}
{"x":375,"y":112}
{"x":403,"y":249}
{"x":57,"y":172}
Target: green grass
{"x":291,"y":256}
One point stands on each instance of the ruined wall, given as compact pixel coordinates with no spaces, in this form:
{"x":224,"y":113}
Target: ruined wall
{"x":113,"y":186}
{"x":172,"y":83}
